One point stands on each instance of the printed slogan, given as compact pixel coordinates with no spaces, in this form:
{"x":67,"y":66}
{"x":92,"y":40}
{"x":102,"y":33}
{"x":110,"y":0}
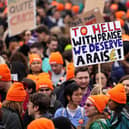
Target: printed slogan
{"x":96,"y":43}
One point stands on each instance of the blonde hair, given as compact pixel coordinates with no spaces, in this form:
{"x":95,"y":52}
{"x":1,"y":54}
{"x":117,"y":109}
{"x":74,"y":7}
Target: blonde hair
{"x":95,"y":90}
{"x":16,"y":106}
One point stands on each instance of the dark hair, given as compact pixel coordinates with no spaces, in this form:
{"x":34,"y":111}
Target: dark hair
{"x":40,"y":100}
{"x":37,"y":45}
{"x":106,"y":75}
{"x":62,"y":122}
{"x":52,"y":38}
{"x":1,"y":45}
{"x":81,"y":69}
{"x":126,"y":77}
{"x":68,"y":91}
{"x":42,"y":28}
{"x":30,"y":84}
{"x":20,"y":57}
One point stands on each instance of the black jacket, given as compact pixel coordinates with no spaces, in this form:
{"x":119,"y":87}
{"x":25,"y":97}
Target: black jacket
{"x":11,"y":119}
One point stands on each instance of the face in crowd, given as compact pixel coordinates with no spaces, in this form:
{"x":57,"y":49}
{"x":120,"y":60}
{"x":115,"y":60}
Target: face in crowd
{"x":82,"y":78}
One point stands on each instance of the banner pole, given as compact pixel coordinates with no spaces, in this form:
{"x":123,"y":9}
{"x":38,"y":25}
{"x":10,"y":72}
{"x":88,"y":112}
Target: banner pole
{"x":100,"y":83}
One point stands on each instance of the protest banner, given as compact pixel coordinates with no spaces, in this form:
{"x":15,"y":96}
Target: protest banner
{"x":96,"y":43}
{"x":90,"y":4}
{"x":21,"y":16}
{"x":91,"y":17}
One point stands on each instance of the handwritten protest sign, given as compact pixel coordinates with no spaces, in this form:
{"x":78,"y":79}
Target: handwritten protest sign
{"x":91,"y":17}
{"x":90,"y":4}
{"x":96,"y":43}
{"x":21,"y":16}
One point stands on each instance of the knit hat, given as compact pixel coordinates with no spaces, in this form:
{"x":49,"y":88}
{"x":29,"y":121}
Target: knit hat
{"x":56,"y":57}
{"x":75,"y":9}
{"x":34,"y":57}
{"x":16,"y":92}
{"x":118,"y":94}
{"x":36,"y":77}
{"x":120,"y":14}
{"x":70,"y":71}
{"x":41,"y":123}
{"x":44,"y":82}
{"x":100,"y":101}
{"x":5,"y":74}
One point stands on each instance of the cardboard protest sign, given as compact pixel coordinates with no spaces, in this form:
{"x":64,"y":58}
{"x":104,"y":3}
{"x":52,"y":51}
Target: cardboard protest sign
{"x":76,"y":2}
{"x":21,"y":16}
{"x":91,"y":17}
{"x":90,"y":4}
{"x":96,"y":43}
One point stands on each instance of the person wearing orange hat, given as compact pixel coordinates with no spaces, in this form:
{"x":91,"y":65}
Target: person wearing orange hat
{"x":58,"y":73}
{"x":45,"y":86}
{"x":12,"y":106}
{"x":35,"y":67}
{"x":94,"y":109}
{"x":42,"y":123}
{"x":117,"y":103}
{"x":5,"y":80}
{"x":70,"y":71}
{"x":38,"y":48}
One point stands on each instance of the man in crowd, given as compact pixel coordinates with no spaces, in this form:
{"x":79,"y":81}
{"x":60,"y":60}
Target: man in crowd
{"x":58,"y":73}
{"x":52,"y":45}
{"x":82,"y":77}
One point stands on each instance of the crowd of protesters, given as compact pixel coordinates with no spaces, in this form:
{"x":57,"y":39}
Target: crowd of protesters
{"x":39,"y":86}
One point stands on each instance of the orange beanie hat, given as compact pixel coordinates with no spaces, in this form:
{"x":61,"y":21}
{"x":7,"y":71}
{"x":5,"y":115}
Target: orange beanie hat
{"x":120,"y":14}
{"x":60,"y":7}
{"x":56,"y":57}
{"x":36,"y":77}
{"x":100,"y":101}
{"x":44,"y":82}
{"x":70,"y":71}
{"x":5,"y":74}
{"x":34,"y":57}
{"x":41,"y":123}
{"x":68,"y":6}
{"x":114,"y":7}
{"x":125,"y":37}
{"x":118,"y":94}
{"x":75,"y":9}
{"x":16,"y":92}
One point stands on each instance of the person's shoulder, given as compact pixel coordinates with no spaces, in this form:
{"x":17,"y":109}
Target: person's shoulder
{"x":99,"y":124}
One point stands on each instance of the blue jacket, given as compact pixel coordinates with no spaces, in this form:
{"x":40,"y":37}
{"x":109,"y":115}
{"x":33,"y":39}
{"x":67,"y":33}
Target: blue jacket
{"x":79,"y":115}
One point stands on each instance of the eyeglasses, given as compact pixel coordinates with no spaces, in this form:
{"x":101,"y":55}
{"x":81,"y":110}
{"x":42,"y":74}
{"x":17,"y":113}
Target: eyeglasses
{"x":44,"y":89}
{"x":89,"y":105}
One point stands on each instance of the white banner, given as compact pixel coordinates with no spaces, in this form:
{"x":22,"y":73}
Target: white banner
{"x":97,"y":43}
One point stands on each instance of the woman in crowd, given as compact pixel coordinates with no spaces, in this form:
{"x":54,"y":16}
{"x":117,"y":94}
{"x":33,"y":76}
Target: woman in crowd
{"x":94,"y":107}
{"x":35,"y":67}
{"x":117,"y":103}
{"x":72,"y":110}
{"x":104,"y":80}
{"x":125,"y":81}
{"x":12,"y":107}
